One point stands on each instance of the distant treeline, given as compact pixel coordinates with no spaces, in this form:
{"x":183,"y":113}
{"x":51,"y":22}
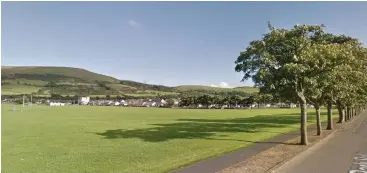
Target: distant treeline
{"x":144,"y":86}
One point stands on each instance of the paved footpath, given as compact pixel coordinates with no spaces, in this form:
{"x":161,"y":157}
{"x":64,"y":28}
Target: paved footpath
{"x":344,"y":152}
{"x":216,"y":164}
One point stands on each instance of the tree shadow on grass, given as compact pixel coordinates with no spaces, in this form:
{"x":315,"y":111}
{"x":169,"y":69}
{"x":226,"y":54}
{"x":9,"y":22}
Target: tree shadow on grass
{"x":255,"y":142}
{"x":205,"y":128}
{"x":273,"y":119}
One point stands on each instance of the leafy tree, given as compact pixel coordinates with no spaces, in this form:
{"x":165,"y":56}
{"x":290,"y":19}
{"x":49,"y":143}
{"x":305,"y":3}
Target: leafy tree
{"x":108,"y":97}
{"x":334,"y":81}
{"x":326,"y":58}
{"x":56,"y":97}
{"x":185,"y":101}
{"x":51,"y":84}
{"x":312,"y":66}
{"x":249,"y":101}
{"x":218,"y":101}
{"x":262,"y":98}
{"x":170,"y":102}
{"x":279,"y":62}
{"x":243,"y":102}
{"x":233,"y":101}
{"x":67,"y":97}
{"x":204,"y":100}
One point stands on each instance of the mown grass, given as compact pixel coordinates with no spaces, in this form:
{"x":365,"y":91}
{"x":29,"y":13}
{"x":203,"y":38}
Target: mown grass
{"x":115,"y":139}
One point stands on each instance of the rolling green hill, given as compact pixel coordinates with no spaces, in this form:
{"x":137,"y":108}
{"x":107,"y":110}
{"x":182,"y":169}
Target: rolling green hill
{"x":54,"y":73}
{"x":76,"y":81}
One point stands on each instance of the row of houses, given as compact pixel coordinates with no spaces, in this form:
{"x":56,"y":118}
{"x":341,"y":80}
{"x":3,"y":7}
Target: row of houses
{"x":153,"y":103}
{"x":130,"y":102}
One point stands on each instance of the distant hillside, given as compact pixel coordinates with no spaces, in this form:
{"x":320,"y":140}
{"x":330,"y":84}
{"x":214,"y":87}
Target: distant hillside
{"x":202,"y":89}
{"x":75,"y":81}
{"x":246,"y":89}
{"x":54,"y":73}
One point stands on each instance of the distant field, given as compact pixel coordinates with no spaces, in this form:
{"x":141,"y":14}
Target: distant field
{"x":26,"y":81}
{"x":161,"y":92}
{"x":115,"y":139}
{"x":15,"y":89}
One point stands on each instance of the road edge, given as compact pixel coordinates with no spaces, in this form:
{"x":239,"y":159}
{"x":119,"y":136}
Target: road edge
{"x":328,"y":137}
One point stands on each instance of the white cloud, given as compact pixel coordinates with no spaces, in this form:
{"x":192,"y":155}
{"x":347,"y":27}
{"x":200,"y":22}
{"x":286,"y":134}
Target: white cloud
{"x":222,"y":85}
{"x":134,"y":24}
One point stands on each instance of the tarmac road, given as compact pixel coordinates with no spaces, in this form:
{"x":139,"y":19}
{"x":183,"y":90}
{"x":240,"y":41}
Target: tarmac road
{"x":344,"y":152}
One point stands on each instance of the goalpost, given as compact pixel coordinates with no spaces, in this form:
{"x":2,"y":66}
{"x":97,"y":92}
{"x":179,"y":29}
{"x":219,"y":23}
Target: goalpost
{"x":26,"y":103}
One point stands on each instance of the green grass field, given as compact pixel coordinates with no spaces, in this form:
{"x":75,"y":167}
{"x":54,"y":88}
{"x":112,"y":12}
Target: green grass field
{"x":114,"y":139}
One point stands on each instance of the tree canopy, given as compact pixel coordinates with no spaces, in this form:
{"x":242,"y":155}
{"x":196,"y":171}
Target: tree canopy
{"x":306,"y":65}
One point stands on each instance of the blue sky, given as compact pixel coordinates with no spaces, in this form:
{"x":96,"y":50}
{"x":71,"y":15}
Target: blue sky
{"x":170,"y":43}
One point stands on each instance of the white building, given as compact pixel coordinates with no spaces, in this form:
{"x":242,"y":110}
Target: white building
{"x":56,"y":104}
{"x":293,"y":105}
{"x":84,"y":100}
{"x":176,"y":102}
{"x":123,"y":102}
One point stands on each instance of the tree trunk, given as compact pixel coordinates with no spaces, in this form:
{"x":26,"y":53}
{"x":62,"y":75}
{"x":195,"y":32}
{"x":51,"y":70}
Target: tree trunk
{"x":318,"y":122}
{"x":303,"y":129}
{"x":346,"y":114}
{"x":352,"y":112}
{"x":341,"y":114}
{"x":329,"y":117}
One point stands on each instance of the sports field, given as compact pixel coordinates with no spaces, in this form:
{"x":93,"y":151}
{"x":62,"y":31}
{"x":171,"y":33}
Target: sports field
{"x":114,"y":139}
